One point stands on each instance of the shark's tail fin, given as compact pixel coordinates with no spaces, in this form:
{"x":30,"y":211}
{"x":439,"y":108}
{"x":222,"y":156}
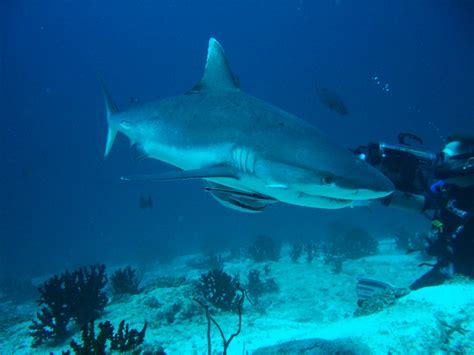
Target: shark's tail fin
{"x":111,"y":109}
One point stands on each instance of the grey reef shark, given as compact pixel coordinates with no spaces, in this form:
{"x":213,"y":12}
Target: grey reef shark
{"x":249,"y":153}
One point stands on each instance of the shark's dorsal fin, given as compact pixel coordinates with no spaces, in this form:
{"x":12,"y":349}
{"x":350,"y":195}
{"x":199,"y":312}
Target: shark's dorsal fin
{"x":217,"y":73}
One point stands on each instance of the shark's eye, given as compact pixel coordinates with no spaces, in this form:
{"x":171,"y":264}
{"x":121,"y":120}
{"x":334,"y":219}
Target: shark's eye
{"x":125,"y":124}
{"x":327,"y":180}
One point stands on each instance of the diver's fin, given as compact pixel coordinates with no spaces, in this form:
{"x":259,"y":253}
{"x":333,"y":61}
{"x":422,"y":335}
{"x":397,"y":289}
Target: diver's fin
{"x":367,"y":288}
{"x":217,"y":73}
{"x":211,"y":172}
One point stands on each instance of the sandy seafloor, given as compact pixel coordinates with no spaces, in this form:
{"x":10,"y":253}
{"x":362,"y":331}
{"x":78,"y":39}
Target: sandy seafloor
{"x":313,"y":302}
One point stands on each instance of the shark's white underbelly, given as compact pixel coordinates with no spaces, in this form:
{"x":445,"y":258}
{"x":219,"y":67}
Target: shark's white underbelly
{"x":243,"y":161}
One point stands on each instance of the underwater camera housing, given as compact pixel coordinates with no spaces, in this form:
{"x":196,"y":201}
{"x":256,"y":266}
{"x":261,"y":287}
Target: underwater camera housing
{"x":406,"y":166}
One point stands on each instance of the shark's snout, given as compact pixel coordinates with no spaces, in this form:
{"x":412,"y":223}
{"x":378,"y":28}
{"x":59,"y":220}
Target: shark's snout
{"x":372,"y":185}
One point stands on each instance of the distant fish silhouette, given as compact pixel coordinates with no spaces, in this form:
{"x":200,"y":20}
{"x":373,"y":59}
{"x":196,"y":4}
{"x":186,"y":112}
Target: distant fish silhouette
{"x":333,"y":101}
{"x":146,"y":203}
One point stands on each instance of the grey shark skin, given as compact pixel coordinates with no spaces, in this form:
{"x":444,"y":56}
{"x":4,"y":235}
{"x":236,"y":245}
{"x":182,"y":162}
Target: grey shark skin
{"x":250,"y":152}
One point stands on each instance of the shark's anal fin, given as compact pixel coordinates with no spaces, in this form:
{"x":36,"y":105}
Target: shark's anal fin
{"x":211,"y":172}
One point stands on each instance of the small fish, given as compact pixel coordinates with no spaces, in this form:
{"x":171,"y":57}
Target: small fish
{"x":332,"y":101}
{"x":145,"y":203}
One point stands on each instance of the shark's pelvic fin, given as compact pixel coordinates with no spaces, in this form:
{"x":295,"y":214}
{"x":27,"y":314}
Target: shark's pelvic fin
{"x":237,"y":199}
{"x":111,"y":109}
{"x":217,"y":73}
{"x":211,"y":172}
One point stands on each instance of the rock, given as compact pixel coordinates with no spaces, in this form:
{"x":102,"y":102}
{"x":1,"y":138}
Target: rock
{"x":316,"y":346}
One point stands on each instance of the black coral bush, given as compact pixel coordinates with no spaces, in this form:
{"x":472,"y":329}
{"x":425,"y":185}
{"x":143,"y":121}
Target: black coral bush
{"x":76,"y":296}
{"x":265,"y":249}
{"x":219,"y":289}
{"x":125,"y":281}
{"x":125,"y":340}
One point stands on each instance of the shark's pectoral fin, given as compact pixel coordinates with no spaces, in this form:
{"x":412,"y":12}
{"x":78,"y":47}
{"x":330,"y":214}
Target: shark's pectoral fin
{"x":277,"y":186}
{"x":111,"y":134}
{"x":237,"y":199}
{"x":210,"y":172}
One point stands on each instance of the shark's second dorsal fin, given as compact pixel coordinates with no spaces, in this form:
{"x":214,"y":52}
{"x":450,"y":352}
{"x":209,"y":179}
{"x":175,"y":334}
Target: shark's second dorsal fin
{"x":217,"y":72}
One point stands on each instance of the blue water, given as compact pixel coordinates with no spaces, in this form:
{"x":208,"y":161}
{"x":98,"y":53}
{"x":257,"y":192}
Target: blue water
{"x":62,"y":203}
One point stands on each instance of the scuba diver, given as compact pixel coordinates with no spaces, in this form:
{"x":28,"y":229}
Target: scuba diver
{"x":441,"y":186}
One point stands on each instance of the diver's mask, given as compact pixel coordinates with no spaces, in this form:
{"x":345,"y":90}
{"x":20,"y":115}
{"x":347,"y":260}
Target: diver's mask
{"x":456,"y":163}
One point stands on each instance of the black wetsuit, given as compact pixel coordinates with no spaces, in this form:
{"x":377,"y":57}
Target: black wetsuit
{"x":454,"y":245}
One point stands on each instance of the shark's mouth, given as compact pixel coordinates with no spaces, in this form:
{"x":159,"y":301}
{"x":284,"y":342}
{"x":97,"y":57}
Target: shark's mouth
{"x":320,"y":201}
{"x":336,"y":201}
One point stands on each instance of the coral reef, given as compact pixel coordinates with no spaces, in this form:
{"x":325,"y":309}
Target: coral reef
{"x":296,"y":252}
{"x":152,"y":302}
{"x":265,"y":249}
{"x":76,"y":296}
{"x":349,"y":243}
{"x":219,"y":289}
{"x":311,"y":250}
{"x":256,"y":287}
{"x":209,"y":262}
{"x":170,"y":312}
{"x":379,"y":301}
{"x":410,"y":241}
{"x":316,"y":346}
{"x":164,"y":282}
{"x":125,"y":281}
